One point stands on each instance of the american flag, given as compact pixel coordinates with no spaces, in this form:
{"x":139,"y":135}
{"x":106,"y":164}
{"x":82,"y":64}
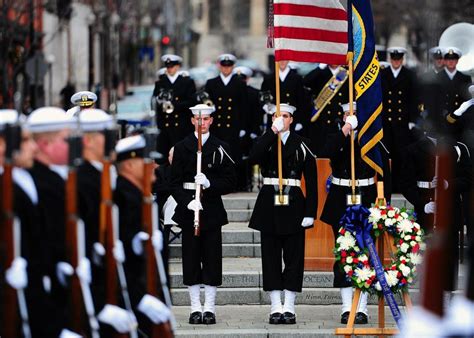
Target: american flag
{"x":310,"y":31}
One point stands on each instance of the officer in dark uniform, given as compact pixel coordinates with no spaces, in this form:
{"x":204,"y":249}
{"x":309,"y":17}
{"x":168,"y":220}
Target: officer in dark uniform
{"x":202,"y":255}
{"x":128,"y":196}
{"x":454,"y":84}
{"x":173,"y":121}
{"x":400,"y":111}
{"x":338,"y":150}
{"x":50,"y":127}
{"x":282,"y":227}
{"x":331,"y":117}
{"x":291,"y":92}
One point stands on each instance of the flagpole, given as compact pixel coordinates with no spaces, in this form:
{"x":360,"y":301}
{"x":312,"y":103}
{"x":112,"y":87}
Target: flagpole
{"x":350,"y":57}
{"x":277,"y":114}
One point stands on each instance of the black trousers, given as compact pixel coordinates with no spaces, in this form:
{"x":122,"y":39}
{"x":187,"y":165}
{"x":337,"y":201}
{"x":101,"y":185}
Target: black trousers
{"x":291,"y":247}
{"x":202,"y":257}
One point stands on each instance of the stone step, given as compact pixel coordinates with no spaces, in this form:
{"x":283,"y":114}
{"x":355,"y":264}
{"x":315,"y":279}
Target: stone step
{"x":256,"y":296}
{"x":234,"y":233}
{"x":243,"y":200}
{"x":228,"y":250}
{"x":239,"y":215}
{"x":251,"y":321}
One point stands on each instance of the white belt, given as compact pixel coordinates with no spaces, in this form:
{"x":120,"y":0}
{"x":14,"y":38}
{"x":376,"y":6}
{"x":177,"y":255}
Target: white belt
{"x":347,"y":182}
{"x":189,"y":185}
{"x":425,"y":185}
{"x":292,"y":182}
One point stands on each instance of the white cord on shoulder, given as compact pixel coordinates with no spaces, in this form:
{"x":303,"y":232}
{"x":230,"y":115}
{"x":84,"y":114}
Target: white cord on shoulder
{"x":221,"y":148}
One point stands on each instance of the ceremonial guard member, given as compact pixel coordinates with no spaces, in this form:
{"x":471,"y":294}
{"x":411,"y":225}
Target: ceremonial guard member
{"x":338,"y":150}
{"x":282,"y":227}
{"x":291,"y":92}
{"x":400,"y":111}
{"x":202,"y":254}
{"x":174,"y":93}
{"x":50,"y":127}
{"x":128,"y":196}
{"x":229,"y":95}
{"x":330,"y":117}
{"x":82,"y":100}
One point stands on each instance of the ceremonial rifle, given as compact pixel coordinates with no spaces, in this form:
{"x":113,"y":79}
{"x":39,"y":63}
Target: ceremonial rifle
{"x":197,"y":195}
{"x":163,"y":330}
{"x":13,"y":300}
{"x":108,"y":233}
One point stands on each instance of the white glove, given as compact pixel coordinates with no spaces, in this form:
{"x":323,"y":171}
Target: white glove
{"x":269,"y":108}
{"x":137,"y":242}
{"x":430,"y":208}
{"x":83,"y":270}
{"x":253,"y":136}
{"x":242,"y":133}
{"x":16,"y":275}
{"x":63,"y":271}
{"x":307,"y":222}
{"x":157,"y":240}
{"x":352,"y":120}
{"x":411,"y":125}
{"x":278,"y":124}
{"x":202,"y":180}
{"x":98,"y":252}
{"x":298,"y":127}
{"x":194,"y":205}
{"x":434,"y":183}
{"x":463,"y":107}
{"x":65,"y":333}
{"x":121,"y":320}
{"x":154,"y":309}
{"x":118,"y":251}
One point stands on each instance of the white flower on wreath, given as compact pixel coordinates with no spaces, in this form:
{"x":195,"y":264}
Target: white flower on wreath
{"x":405,"y":226}
{"x":363,"y":273}
{"x":378,"y":287}
{"x":346,"y":242}
{"x":404,"y":247}
{"x":404,"y":269}
{"x":374,"y":216}
{"x":404,"y":215}
{"x":349,"y":260}
{"x":391,"y":277}
{"x":415,"y":258}
{"x":389,"y":222}
{"x":391,"y":213}
{"x":407,"y":237}
{"x":363,"y":258}
{"x":347,"y":268}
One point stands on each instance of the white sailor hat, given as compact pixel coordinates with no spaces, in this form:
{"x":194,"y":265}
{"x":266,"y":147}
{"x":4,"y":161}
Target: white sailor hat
{"x":243,"y":70}
{"x":284,"y":107}
{"x":227,"y":59}
{"x":170,"y":60}
{"x":7,"y":116}
{"x":84,"y":98}
{"x":436,"y":52}
{"x":396,"y":52}
{"x":130,"y":147}
{"x":346,"y":106}
{"x":452,"y":53}
{"x":47,"y":119}
{"x":204,"y":109}
{"x":95,"y":120}
{"x":384,"y":64}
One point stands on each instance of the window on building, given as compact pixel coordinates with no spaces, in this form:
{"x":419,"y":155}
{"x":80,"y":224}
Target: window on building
{"x":214,"y":14}
{"x":242,"y":14}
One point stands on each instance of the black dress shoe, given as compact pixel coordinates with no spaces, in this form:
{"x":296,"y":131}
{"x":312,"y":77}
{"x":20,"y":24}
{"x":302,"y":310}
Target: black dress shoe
{"x":345,"y":317}
{"x":208,"y":318}
{"x":275,"y":318}
{"x":288,"y":318}
{"x":195,"y":318}
{"x":361,"y":318}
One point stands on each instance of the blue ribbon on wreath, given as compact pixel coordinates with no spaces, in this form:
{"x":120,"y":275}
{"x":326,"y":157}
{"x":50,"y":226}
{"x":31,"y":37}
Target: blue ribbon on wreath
{"x":356,"y":221}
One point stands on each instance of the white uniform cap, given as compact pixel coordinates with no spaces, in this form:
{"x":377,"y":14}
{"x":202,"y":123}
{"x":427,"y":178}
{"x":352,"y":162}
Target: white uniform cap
{"x":346,"y":106}
{"x":452,"y":51}
{"x":48,"y":119}
{"x":203,"y":108}
{"x":227,"y":59}
{"x":72,"y":112}
{"x":95,"y":120}
{"x":7,"y":116}
{"x":436,"y":51}
{"x":396,"y":50}
{"x":243,"y":70}
{"x":284,"y":107}
{"x":84,"y":98}
{"x":384,"y":64}
{"x":171,"y":59}
{"x":130,"y":147}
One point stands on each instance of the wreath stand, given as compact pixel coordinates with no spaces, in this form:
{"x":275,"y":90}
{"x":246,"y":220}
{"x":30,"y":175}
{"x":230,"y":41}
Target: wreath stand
{"x":381,"y":330}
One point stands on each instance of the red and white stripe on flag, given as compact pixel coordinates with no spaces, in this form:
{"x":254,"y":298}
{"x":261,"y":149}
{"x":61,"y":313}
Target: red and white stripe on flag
{"x":310,"y":31}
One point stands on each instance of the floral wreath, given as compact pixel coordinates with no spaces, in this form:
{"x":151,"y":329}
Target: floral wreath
{"x":408,"y":239}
